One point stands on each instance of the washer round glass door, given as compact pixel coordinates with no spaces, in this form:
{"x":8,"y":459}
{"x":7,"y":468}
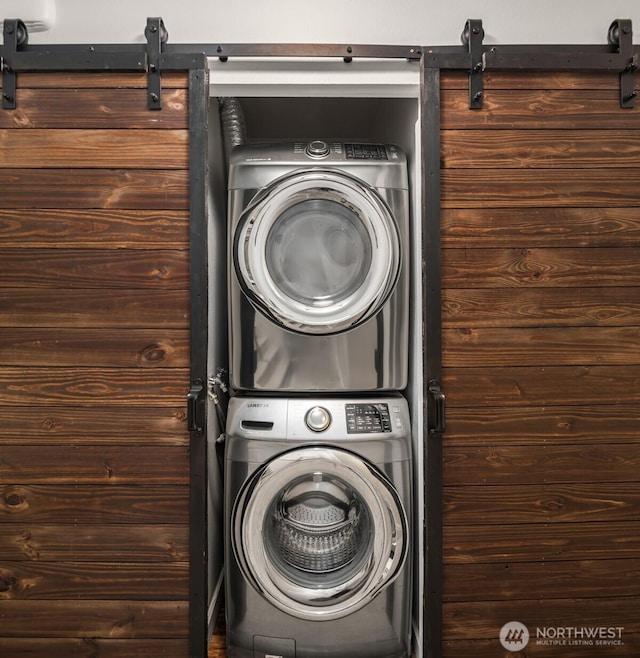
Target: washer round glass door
{"x":318,"y":251}
{"x":319,"y":532}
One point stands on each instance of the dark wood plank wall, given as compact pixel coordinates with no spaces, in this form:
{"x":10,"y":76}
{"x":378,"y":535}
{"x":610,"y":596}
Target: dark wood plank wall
{"x":541,"y":357}
{"x":94,"y":368}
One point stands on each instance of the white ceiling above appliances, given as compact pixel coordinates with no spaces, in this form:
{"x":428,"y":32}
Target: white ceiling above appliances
{"x":38,"y":15}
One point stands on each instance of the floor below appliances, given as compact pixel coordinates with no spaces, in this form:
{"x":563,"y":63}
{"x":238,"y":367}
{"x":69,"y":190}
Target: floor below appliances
{"x":318,"y":280}
{"x":317,"y":502}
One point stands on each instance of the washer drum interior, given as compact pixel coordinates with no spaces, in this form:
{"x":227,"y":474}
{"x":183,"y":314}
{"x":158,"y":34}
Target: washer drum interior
{"x":319,"y":532}
{"x":318,"y":525}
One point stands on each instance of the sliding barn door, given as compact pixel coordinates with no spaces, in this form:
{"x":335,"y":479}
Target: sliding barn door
{"x":94,"y":368}
{"x":541,"y":367}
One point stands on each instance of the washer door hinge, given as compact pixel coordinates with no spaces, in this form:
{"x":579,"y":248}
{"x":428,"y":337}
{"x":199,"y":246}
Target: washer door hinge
{"x":195,"y":407}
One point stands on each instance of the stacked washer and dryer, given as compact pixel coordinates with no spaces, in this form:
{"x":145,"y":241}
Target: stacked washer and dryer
{"x":318,"y":467}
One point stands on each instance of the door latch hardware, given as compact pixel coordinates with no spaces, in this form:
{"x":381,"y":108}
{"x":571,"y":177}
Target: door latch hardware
{"x":15,"y":36}
{"x":472,"y":37}
{"x":438,"y":408}
{"x":195,"y":407}
{"x":156,"y":35}
{"x":620,"y":37}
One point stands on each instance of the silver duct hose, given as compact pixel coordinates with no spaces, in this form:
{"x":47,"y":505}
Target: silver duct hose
{"x":233,"y":125}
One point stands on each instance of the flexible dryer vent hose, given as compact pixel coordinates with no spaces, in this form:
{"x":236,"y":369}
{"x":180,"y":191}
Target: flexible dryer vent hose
{"x":233,"y":125}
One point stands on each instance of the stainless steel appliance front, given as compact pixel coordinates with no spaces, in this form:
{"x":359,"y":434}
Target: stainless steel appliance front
{"x":318,"y":278}
{"x":317,"y":502}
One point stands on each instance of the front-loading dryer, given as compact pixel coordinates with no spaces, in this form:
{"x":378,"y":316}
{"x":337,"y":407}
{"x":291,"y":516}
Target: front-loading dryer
{"x":317,"y":502}
{"x":318,"y":272}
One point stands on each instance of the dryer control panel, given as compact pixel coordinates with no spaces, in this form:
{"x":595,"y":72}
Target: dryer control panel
{"x":368,"y":418}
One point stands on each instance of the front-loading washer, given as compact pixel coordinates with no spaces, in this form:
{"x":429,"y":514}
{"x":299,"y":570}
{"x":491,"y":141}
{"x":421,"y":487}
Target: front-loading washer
{"x":317,"y":537}
{"x":318,"y":272}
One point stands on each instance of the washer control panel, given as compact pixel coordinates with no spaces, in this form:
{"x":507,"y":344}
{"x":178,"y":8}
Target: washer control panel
{"x":368,"y":418}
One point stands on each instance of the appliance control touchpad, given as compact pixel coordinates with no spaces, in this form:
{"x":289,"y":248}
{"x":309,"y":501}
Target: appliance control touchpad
{"x":368,"y":418}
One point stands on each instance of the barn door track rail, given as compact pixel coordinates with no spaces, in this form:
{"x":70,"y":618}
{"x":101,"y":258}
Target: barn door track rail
{"x":151,"y":57}
{"x":618,"y":54}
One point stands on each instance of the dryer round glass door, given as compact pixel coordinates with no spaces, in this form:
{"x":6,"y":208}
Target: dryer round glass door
{"x":318,"y":251}
{"x":319,"y":532}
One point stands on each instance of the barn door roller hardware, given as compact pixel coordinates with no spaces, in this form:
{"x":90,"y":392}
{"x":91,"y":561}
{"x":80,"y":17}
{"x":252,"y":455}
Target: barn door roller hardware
{"x":620,"y":37}
{"x":472,"y":37}
{"x":156,"y":35}
{"x":15,"y":37}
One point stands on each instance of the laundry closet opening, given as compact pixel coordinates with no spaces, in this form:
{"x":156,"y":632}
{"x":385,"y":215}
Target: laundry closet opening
{"x":364,"y":102}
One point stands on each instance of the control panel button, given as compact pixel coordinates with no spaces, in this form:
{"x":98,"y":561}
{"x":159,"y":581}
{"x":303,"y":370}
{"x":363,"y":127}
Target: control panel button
{"x":318,"y":419}
{"x":317,"y":149}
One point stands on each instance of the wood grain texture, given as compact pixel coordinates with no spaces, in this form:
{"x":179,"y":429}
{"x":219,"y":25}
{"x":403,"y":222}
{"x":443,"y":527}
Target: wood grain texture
{"x":94,"y":619}
{"x":541,"y":464}
{"x":160,"y":387}
{"x":478,"y":620}
{"x":535,"y":188}
{"x":525,"y":580}
{"x":136,"y":189}
{"x":117,"y":149}
{"x":540,"y":149}
{"x":87,"y":647}
{"x":95,"y":465}
{"x":95,"y":229}
{"x":543,"y":503}
{"x":94,"y":368}
{"x":111,"y":80}
{"x":137,"y":348}
{"x":91,"y":424}
{"x":94,"y":307}
{"x":504,"y":346}
{"x":541,"y":542}
{"x":99,"y":504}
{"x":570,"y":81}
{"x":531,"y":266}
{"x":542,"y":386}
{"x":541,"y":307}
{"x":544,"y":227}
{"x":541,"y":314}
{"x":53,"y":581}
{"x":537,"y":109}
{"x":89,"y":542}
{"x":561,"y":425}
{"x":84,"y":268}
{"x":91,"y":108}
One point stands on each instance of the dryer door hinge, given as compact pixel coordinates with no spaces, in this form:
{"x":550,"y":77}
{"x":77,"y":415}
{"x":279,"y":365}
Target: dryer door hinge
{"x":156,"y":35}
{"x":195,"y":407}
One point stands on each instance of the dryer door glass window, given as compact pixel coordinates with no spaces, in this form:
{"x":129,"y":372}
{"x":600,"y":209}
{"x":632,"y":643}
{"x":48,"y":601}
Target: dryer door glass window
{"x":318,"y":252}
{"x":320,"y":532}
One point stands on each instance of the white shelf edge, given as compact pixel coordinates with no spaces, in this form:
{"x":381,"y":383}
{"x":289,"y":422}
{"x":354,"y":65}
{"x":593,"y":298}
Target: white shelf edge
{"x":314,"y":78}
